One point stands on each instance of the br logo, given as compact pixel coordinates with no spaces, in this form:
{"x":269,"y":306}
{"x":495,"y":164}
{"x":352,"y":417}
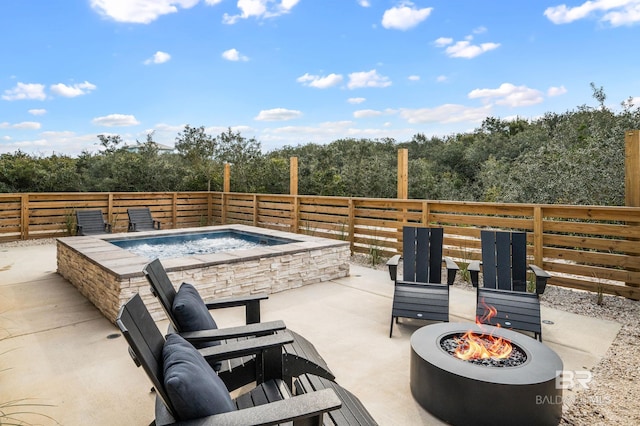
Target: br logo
{"x":569,"y":379}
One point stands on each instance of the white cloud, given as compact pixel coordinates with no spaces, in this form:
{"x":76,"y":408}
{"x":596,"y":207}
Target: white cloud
{"x":367,"y":79}
{"x":62,"y":142}
{"x":158,"y":58}
{"x":36,"y":111}
{"x":364,"y":3}
{"x":79,"y":89}
{"x":115,"y":120}
{"x":443,"y":41}
{"x":442,"y":78}
{"x":480,"y":30}
{"x":448,"y":113}
{"x":365,"y":113}
{"x":320,"y":82}
{"x":278,"y":114}
{"x":25,"y":91}
{"x":509,"y":95}
{"x":356,"y":101}
{"x":25,"y":125}
{"x":556,"y":91}
{"x":614,"y":12}
{"x":260,"y":9}
{"x":404,"y":16}
{"x":234,"y":55}
{"x":464,"y":48}
{"x":414,"y":78}
{"x":212,"y":2}
{"x":140,"y":11}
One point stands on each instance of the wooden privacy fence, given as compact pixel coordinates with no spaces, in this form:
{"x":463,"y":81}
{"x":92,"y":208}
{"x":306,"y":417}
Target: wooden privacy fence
{"x":593,"y":248}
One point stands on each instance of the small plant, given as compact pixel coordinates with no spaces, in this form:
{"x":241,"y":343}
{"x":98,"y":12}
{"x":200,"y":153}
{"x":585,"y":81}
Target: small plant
{"x":531,"y":284}
{"x":464,"y":264}
{"x":70,"y":222}
{"x":343,"y":233}
{"x":307,"y":229}
{"x":114,"y":221}
{"x":12,"y":411}
{"x":375,"y":255}
{"x":600,"y":294}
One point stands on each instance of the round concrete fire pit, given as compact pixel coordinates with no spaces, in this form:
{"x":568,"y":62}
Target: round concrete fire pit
{"x":462,"y":393}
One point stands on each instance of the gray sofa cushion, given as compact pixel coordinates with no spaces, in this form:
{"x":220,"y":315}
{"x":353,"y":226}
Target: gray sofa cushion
{"x":194,"y":389}
{"x":191,"y":313}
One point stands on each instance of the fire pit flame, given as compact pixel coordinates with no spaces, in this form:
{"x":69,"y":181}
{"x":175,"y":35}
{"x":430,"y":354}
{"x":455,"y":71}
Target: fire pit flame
{"x":483,"y":346}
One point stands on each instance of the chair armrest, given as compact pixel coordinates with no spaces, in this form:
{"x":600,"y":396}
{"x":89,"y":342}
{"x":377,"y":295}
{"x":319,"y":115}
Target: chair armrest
{"x":251,"y":304}
{"x":393,"y":266}
{"x":474,"y":271}
{"x":541,"y":278}
{"x":156,"y":224}
{"x":452,"y":269}
{"x":245,"y":347}
{"x":78,"y":229}
{"x":260,"y":329}
{"x":307,"y":406}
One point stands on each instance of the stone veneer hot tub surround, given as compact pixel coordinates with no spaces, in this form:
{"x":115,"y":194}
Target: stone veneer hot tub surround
{"x":108,"y":275}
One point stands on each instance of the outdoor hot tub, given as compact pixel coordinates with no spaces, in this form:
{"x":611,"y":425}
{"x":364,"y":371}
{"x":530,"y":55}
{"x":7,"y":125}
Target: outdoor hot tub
{"x":107,"y":271}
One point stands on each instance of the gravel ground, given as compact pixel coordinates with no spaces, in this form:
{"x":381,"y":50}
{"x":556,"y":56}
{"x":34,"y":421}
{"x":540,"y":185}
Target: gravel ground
{"x":613,"y":396}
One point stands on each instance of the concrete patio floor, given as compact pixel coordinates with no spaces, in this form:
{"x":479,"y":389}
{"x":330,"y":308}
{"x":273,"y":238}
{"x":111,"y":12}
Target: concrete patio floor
{"x":58,"y":351}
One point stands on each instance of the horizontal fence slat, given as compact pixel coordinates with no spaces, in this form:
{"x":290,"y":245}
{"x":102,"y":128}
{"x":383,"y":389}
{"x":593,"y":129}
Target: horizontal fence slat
{"x":591,"y":248}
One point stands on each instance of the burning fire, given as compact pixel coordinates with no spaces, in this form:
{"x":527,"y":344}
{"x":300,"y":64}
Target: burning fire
{"x":483,"y":346}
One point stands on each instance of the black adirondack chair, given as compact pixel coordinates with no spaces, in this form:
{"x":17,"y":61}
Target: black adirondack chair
{"x":140,"y":220}
{"x":420,"y":293}
{"x":504,"y":276}
{"x":91,"y":222}
{"x":299,"y":357}
{"x":188,"y":391}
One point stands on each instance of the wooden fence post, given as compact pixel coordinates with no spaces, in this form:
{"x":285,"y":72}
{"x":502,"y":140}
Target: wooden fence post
{"x":352,"y":225}
{"x":293,"y":176}
{"x":255,"y":209}
{"x":403,"y":174}
{"x":632,"y":168}
{"x":632,"y":177}
{"x":174,"y":210}
{"x":24,"y":216}
{"x":227,"y":178}
{"x":538,"y":231}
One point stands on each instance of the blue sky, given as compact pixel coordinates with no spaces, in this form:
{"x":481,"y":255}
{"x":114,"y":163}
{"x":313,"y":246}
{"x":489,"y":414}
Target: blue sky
{"x":289,"y":72}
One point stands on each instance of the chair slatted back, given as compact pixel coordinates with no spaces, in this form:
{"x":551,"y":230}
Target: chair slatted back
{"x":145,"y":341}
{"x":141,"y":217}
{"x":91,"y":221}
{"x":161,"y":287}
{"x":504,"y":260}
{"x":422,"y":254}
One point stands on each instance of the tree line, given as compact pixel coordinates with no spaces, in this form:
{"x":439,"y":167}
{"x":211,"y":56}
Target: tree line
{"x":575,"y":157}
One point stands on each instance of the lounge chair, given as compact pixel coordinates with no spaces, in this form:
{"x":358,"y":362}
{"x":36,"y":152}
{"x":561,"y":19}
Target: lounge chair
{"x":189,"y":316}
{"x":188,"y":389}
{"x":504,"y":276}
{"x":420,"y":293}
{"x":140,"y":220}
{"x":91,"y":222}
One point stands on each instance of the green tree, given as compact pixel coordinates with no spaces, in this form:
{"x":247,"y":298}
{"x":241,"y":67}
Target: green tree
{"x":198,"y":149}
